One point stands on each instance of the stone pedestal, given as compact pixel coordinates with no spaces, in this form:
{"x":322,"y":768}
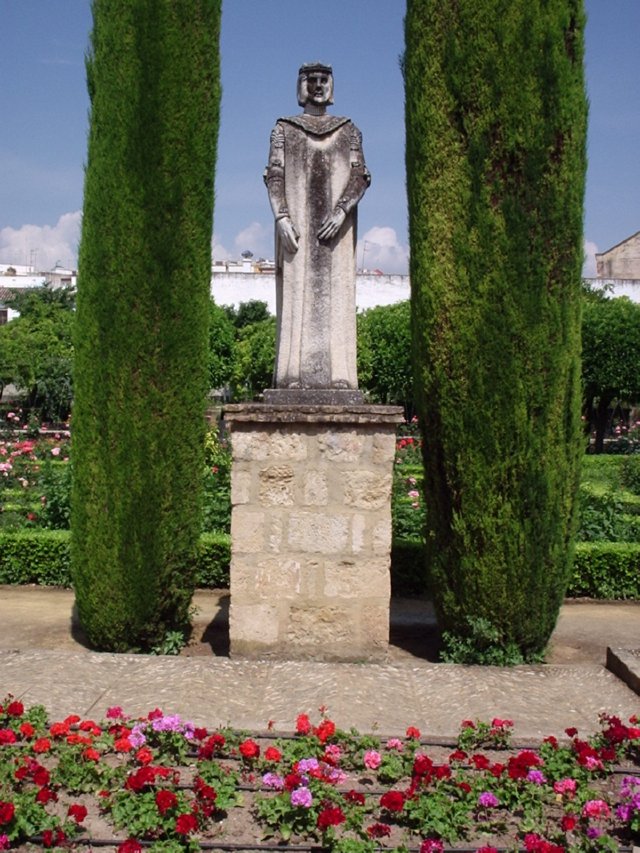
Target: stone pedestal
{"x":311,"y":530}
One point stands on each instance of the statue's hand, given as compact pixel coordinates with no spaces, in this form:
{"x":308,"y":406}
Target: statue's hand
{"x":288,"y":234}
{"x":332,"y":224}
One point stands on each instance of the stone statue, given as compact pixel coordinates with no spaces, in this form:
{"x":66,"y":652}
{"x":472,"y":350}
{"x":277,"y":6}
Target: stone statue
{"x":315,"y":178}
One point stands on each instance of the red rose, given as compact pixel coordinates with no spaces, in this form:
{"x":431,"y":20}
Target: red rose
{"x":43,"y":744}
{"x":165,"y":800}
{"x":15,"y":709}
{"x":186,"y":823}
{"x":77,"y":812}
{"x":393,"y":801}
{"x":272,"y":754}
{"x":330,"y":816}
{"x":130,"y":846}
{"x":303,"y":726}
{"x":7,"y":810}
{"x":249,"y":750}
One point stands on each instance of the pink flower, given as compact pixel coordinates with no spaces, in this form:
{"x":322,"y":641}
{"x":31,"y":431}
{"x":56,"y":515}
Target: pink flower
{"x":395,"y":743}
{"x":55,"y":451}
{"x":565,"y":786}
{"x":488,"y":800}
{"x":301,"y":797}
{"x":432,"y":845}
{"x":372,"y":759}
{"x":595,"y":808}
{"x":4,"y":842}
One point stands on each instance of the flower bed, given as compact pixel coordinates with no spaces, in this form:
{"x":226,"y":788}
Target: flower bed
{"x":165,"y":785}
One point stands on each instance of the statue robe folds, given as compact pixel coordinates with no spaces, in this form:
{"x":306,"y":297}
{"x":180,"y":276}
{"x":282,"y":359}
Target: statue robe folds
{"x":316,"y":165}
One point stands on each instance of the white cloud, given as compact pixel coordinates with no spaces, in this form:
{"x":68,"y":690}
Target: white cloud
{"x":380,"y":249}
{"x":43,"y":245}
{"x":589,"y":265}
{"x":218,"y":251}
{"x":255,"y":238}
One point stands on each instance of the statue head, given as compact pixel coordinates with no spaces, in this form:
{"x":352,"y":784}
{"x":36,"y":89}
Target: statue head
{"x":315,"y":84}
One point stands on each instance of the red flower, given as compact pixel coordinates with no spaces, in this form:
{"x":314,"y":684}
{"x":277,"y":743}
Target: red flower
{"x":465,"y":786}
{"x":212,"y":745}
{"x":46,"y":795}
{"x":487,"y":849}
{"x":303,"y":726}
{"x":568,"y":822}
{"x":144,"y":755}
{"x":7,"y":736}
{"x":355,"y":797}
{"x":458,"y":755}
{"x":165,"y":800}
{"x":378,"y":830}
{"x":51,"y":839}
{"x":272,"y":754}
{"x":59,"y":729}
{"x":123,"y":744}
{"x":155,"y":714}
{"x":91,"y":754}
{"x":40,"y":776}
{"x":15,"y":709}
{"x":480,"y":762}
{"x":393,"y":801}
{"x":325,"y":730}
{"x":413,"y":733}
{"x":27,"y":730}
{"x":571,"y":732}
{"x":130,"y":846}
{"x":422,"y":765}
{"x":204,"y":791}
{"x":249,"y":750}
{"x":77,"y":812}
{"x":292,"y":780}
{"x":43,"y":744}
{"x":186,"y":823}
{"x":330,"y":816}
{"x":7,"y":810}
{"x":142,"y":777}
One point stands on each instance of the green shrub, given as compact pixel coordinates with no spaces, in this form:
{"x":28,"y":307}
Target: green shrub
{"x":630,"y":473}
{"x":55,"y":491}
{"x":602,"y":518}
{"x":606,"y":570}
{"x":35,"y":556}
{"x":408,"y":568}
{"x":42,"y":557}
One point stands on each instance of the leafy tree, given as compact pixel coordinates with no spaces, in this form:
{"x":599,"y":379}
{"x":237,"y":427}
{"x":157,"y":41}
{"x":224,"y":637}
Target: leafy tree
{"x":222,"y":345}
{"x":384,"y":354}
{"x":142,"y":321}
{"x":610,"y":367}
{"x":248,"y":313}
{"x":255,"y":358}
{"x":495,"y":127}
{"x":36,"y":351}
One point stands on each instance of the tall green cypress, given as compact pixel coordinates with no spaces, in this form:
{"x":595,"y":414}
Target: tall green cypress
{"x":496,"y":126}
{"x":142,"y":320}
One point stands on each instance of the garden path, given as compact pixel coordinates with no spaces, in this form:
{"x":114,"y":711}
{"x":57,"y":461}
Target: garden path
{"x":43,"y":660}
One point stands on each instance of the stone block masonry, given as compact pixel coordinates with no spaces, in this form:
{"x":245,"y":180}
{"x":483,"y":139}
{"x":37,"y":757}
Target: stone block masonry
{"x":311,"y":530}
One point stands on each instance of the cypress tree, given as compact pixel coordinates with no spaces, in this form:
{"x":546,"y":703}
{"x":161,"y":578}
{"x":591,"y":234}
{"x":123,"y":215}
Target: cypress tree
{"x":142,"y":317}
{"x":496,"y":126}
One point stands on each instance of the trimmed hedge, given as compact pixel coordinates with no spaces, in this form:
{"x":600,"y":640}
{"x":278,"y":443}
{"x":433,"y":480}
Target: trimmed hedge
{"x":601,"y":569}
{"x":43,"y":558}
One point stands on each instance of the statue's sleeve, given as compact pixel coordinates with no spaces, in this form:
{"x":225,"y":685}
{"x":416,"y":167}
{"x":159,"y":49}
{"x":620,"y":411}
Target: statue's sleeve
{"x":274,"y":173}
{"x":359,"y":176}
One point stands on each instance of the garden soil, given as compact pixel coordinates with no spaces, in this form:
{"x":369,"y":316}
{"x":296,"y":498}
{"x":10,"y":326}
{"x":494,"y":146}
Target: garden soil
{"x":34,"y":617}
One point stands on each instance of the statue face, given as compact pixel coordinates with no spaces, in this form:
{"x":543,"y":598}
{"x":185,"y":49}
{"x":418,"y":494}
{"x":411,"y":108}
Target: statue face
{"x":315,"y":87}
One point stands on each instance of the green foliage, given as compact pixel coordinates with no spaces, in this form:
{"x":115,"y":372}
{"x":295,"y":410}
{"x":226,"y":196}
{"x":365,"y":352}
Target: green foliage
{"x":602,"y":519}
{"x":222,"y":344}
{"x":610,"y":370}
{"x":630,"y":473}
{"x":141,"y":371}
{"x":247,"y":313}
{"x":43,"y":557}
{"x":482,"y":643}
{"x":55,"y":490}
{"x":36,"y":351}
{"x":495,"y":154}
{"x":385,"y":368}
{"x":34,"y":556}
{"x":606,"y":570}
{"x":216,"y":514}
{"x":255,"y":358}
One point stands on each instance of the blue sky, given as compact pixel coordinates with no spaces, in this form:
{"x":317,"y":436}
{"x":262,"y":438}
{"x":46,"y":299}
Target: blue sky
{"x":44,"y":116}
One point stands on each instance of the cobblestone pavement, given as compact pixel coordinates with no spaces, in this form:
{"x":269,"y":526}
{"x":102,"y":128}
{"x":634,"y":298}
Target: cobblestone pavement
{"x":52,"y":668}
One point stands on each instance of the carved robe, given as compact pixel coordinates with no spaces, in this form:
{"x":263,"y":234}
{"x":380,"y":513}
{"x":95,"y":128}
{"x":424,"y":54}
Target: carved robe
{"x":315,"y":165}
